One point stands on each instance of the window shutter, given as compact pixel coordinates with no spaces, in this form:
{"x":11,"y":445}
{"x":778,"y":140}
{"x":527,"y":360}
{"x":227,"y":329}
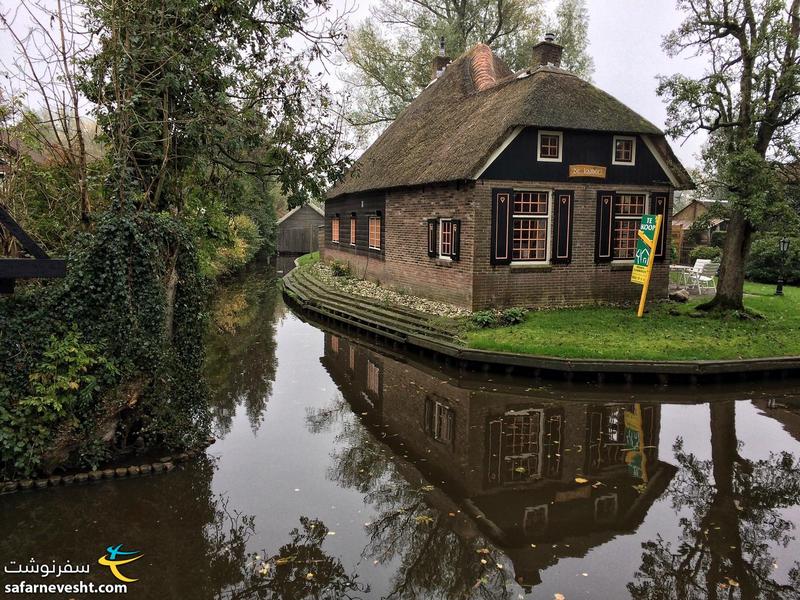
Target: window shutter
{"x":451,"y":427}
{"x":604,"y":226}
{"x":427,"y":424}
{"x":562,"y":227}
{"x":433,"y":237}
{"x":456,"y":246}
{"x":501,"y":226}
{"x":658,"y":206}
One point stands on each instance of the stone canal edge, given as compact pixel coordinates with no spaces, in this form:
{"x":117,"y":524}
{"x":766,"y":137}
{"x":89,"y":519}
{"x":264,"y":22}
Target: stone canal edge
{"x":419,"y":332}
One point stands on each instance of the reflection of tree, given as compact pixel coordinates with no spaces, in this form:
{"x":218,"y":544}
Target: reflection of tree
{"x":434,"y":561}
{"x":301,"y":569}
{"x":724,"y":545}
{"x":241,"y":361}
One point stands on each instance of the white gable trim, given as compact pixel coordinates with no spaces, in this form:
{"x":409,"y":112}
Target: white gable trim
{"x":660,"y":160}
{"x":512,"y":136}
{"x":311,"y":205}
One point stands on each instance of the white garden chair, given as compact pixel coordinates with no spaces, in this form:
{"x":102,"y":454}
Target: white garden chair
{"x":706,"y":279}
{"x":691,"y":274}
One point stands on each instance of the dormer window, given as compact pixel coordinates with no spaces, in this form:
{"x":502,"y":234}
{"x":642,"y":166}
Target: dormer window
{"x":624,"y":150}
{"x":550,"y":144}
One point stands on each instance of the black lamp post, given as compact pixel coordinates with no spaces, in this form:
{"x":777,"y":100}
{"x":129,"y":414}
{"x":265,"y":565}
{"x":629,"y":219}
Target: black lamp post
{"x":784,"y":248}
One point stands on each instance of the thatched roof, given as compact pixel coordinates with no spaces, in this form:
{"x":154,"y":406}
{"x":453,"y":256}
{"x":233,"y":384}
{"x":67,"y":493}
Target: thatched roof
{"x":451,"y":129}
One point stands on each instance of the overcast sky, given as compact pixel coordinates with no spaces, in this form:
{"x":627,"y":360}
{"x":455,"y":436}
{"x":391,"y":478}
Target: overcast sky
{"x":625,"y":41}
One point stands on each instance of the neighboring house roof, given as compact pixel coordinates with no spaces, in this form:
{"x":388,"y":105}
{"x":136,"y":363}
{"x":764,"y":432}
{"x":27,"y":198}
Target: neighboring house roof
{"x":14,"y":148}
{"x":696,"y":209}
{"x":461,"y":119}
{"x":311,"y":205}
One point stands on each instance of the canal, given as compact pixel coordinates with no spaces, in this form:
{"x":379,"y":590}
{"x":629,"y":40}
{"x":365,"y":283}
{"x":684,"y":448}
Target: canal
{"x":343,"y":469}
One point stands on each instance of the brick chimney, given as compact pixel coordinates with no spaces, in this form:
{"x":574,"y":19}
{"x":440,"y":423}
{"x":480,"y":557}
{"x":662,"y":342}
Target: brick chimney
{"x":547,"y":52}
{"x":441,"y":61}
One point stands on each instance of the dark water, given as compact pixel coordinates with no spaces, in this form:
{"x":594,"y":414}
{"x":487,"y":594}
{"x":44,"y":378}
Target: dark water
{"x":352,"y":471}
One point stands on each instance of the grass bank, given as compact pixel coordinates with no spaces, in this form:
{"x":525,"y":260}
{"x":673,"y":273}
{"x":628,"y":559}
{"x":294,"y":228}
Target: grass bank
{"x":666,"y":332}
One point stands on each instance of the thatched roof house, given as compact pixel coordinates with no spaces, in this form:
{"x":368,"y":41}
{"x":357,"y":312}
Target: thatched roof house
{"x":541,"y":131}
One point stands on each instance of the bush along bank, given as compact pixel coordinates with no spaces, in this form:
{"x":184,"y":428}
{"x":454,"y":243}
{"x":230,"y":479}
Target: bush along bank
{"x":108,"y":358}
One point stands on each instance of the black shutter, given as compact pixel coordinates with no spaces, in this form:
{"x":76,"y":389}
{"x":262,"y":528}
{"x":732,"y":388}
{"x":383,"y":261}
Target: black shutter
{"x":501,"y":226}
{"x":604,"y":226}
{"x":456,"y":244}
{"x":562,"y":227}
{"x":427,"y":418}
{"x":658,"y":206}
{"x":433,"y":237}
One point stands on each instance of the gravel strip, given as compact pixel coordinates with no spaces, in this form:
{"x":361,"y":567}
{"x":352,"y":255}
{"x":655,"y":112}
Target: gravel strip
{"x":368,"y":289}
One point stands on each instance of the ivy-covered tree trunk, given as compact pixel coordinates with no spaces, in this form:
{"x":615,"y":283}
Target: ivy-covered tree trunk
{"x":730,"y":288}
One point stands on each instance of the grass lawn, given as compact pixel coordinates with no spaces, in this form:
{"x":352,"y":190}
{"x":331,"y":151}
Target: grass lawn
{"x":606,"y":332}
{"x":307,"y":259}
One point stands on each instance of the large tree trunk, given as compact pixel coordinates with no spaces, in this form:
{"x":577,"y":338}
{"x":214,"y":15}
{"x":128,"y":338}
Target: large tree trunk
{"x":730,"y":288}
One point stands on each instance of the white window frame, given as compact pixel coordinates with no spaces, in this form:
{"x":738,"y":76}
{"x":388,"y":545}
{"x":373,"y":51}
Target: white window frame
{"x":369,"y":232}
{"x":548,"y":240}
{"x":614,"y":160}
{"x":560,"y":136}
{"x":626,"y":261}
{"x":439,"y":240}
{"x":440,"y":412}
{"x":527,"y":523}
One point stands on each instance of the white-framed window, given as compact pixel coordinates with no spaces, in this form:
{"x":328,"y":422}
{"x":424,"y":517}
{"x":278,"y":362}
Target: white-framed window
{"x":549,"y":146}
{"x":445,"y":238}
{"x":440,"y":421}
{"x":375,"y":233}
{"x":531,"y":226}
{"x":624,"y":152}
{"x":535,"y":518}
{"x":628,"y":211}
{"x":335,"y":230}
{"x":605,"y":508}
{"x":353,"y":223}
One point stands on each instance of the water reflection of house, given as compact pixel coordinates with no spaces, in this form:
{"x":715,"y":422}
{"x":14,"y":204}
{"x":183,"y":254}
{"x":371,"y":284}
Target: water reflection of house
{"x":511,"y":458}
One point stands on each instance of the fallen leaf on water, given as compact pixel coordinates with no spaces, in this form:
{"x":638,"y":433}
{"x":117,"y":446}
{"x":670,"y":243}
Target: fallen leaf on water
{"x":482,"y":551}
{"x":424,"y":519}
{"x":520,"y":470}
{"x":733,"y":582}
{"x":331,"y":533}
{"x":484,"y":561}
{"x":309,"y":576}
{"x":558,"y":596}
{"x":581,"y":480}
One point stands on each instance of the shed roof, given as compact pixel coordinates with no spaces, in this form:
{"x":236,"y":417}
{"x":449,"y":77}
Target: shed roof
{"x":311,"y":205}
{"x":452,"y":128}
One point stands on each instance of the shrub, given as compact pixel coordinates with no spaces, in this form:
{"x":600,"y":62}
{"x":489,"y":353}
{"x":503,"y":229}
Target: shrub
{"x":340,"y":269}
{"x":707,"y":252}
{"x":513,"y":316}
{"x":764,"y":264}
{"x":484,"y":319}
{"x":718,"y":239}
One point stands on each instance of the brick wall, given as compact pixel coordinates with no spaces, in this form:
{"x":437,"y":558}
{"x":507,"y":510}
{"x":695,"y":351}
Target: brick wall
{"x":582,"y":281}
{"x":473,"y":281}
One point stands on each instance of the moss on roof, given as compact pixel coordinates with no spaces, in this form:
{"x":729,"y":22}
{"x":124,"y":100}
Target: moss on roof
{"x":449,"y":131}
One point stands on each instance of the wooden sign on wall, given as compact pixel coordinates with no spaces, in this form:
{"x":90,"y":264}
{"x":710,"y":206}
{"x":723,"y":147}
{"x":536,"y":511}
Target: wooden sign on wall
{"x":587,"y":171}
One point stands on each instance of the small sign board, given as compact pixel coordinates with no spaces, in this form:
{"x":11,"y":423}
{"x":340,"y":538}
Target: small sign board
{"x":587,"y":171}
{"x":647,"y":238}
